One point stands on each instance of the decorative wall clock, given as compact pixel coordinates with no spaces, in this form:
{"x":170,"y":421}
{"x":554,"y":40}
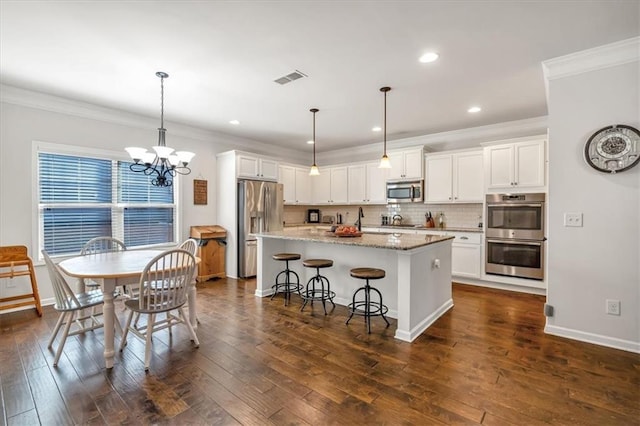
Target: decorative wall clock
{"x":613,"y":149}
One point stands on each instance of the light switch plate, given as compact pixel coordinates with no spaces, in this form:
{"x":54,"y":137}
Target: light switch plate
{"x":573,"y":219}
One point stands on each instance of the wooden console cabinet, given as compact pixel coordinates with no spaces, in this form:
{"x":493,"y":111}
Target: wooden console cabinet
{"x":211,"y":251}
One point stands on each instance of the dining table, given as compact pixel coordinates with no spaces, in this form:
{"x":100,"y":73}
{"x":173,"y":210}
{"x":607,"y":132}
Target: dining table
{"x":114,"y":269}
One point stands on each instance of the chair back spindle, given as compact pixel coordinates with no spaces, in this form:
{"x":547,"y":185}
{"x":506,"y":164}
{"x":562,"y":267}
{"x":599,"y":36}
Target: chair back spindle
{"x":65,"y":298}
{"x":165,"y":281}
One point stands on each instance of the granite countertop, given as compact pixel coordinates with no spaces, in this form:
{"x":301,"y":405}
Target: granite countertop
{"x":376,"y":240}
{"x":424,"y":228}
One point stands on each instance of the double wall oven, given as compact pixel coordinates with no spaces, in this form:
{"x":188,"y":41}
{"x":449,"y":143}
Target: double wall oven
{"x":515,"y":235}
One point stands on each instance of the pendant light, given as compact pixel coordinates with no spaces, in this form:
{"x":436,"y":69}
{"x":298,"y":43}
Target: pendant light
{"x":384,"y":161}
{"x":314,"y":168}
{"x":163,"y":164}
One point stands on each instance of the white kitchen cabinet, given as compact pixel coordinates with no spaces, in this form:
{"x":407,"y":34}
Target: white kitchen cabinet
{"x":321,"y":187}
{"x":454,"y":177}
{"x":330,"y":187}
{"x":303,"y":185}
{"x":339,"y":185}
{"x":287,"y":177}
{"x":366,"y":184}
{"x":257,"y":168}
{"x":515,"y":165}
{"x":357,"y":184}
{"x":406,"y":164}
{"x":376,"y":183}
{"x":296,"y":184}
{"x":466,"y":252}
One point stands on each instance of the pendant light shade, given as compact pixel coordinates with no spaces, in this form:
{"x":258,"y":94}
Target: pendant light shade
{"x":314,"y":171}
{"x":384,"y":161}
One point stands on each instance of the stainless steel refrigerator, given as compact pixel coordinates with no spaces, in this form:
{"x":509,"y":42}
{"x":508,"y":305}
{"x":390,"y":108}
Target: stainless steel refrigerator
{"x":260,"y":206}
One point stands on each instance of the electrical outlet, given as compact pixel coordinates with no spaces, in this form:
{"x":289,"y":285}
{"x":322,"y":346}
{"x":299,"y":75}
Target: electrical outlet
{"x":573,"y":219}
{"x":613,"y":307}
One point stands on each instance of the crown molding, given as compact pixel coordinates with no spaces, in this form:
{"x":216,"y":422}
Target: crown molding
{"x":56,"y":104}
{"x":444,"y":141}
{"x":609,"y":55}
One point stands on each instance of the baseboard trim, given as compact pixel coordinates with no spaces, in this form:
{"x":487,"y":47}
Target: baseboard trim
{"x":597,"y":339}
{"x":411,"y":335}
{"x":43,"y":302}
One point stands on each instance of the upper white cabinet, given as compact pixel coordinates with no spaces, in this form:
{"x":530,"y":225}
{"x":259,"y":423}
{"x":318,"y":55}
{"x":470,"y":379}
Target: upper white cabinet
{"x":454,"y":177}
{"x":331,"y":186}
{"x":287,"y":177}
{"x":515,"y":165}
{"x":367,"y":184}
{"x":303,"y":186}
{"x":297,"y":184}
{"x":406,"y":164}
{"x":257,"y":168}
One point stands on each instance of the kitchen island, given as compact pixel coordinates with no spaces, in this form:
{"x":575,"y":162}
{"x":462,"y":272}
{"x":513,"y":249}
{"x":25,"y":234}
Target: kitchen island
{"x":417,"y":285}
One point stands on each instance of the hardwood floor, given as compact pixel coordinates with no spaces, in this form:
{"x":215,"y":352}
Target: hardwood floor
{"x":487,"y":361}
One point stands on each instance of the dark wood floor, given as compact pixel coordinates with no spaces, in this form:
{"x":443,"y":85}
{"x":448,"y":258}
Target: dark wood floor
{"x":486,"y":361}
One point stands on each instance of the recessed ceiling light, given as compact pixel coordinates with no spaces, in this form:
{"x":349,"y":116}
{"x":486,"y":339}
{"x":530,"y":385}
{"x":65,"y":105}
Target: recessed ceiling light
{"x":310,"y":142}
{"x":428,"y":57}
{"x":377,"y":129}
{"x":234,"y":122}
{"x":474,"y":109}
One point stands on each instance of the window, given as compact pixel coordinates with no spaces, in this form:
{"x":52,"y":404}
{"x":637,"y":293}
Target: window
{"x":82,"y":197}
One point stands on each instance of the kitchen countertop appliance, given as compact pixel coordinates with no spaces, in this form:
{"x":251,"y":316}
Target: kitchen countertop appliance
{"x":260,"y":209}
{"x":313,"y":216}
{"x":515,"y":235}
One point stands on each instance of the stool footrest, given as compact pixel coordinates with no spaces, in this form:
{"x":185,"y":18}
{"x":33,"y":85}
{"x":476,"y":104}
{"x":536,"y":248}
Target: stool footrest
{"x":282,"y":288}
{"x":318,"y":294}
{"x":375,"y":308}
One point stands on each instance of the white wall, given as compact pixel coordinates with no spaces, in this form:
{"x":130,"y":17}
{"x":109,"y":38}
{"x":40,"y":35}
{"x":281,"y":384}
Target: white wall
{"x":28,"y":116}
{"x":600,"y":260}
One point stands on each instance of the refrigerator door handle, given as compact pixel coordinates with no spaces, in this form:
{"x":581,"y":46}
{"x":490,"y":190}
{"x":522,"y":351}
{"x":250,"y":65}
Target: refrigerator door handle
{"x":265,"y":208}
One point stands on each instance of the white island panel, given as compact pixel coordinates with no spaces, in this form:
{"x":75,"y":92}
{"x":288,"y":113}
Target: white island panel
{"x":414,"y":289}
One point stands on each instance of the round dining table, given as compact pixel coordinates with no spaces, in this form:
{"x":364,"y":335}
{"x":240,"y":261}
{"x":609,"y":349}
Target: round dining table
{"x":111,"y":270}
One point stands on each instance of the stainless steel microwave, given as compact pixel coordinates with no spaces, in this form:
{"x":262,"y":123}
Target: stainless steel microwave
{"x":405,"y":191}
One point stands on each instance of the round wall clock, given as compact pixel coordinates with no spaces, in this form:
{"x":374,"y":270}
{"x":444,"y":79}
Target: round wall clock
{"x":613,"y":149}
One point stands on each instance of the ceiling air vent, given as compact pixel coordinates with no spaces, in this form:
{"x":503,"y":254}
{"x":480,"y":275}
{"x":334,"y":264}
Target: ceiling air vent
{"x":290,"y":77}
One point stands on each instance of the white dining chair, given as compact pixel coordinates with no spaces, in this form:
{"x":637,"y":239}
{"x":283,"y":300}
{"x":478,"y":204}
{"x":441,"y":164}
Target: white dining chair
{"x":191,"y":246}
{"x":163,"y":288}
{"x":68,"y":304}
{"x":99,"y":245}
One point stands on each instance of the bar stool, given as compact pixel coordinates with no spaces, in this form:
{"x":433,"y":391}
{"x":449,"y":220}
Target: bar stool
{"x":287,"y":286}
{"x":323,"y":293}
{"x":367,"y":308}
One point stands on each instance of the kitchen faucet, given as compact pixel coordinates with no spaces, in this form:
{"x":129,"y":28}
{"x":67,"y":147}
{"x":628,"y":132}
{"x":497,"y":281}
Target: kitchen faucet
{"x":359,"y":221}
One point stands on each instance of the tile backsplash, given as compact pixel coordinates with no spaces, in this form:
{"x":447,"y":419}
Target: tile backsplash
{"x":456,"y":215}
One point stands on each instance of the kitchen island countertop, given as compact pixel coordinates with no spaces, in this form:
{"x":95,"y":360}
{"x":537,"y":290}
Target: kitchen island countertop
{"x":376,"y":240}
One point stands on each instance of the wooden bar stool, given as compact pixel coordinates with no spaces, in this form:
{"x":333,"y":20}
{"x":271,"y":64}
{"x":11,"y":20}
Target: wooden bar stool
{"x":367,"y":308}
{"x":323,"y":292}
{"x":287,"y":286}
{"x":18,"y":263}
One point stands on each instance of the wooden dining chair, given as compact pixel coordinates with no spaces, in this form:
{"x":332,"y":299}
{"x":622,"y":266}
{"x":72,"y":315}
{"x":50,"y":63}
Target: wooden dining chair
{"x":69,"y":304}
{"x":164,"y":285}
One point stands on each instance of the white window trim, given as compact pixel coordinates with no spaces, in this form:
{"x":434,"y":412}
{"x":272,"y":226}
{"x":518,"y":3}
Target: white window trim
{"x":83,"y":151}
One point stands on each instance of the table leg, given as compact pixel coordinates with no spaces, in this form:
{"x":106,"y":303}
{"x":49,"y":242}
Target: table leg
{"x":192,"y":306}
{"x":108,"y":311}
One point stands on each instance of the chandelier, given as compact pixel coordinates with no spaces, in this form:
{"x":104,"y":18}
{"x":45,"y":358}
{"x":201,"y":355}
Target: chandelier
{"x":162,"y":163}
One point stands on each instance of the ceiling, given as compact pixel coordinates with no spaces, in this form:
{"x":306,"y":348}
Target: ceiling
{"x":223,"y":58}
